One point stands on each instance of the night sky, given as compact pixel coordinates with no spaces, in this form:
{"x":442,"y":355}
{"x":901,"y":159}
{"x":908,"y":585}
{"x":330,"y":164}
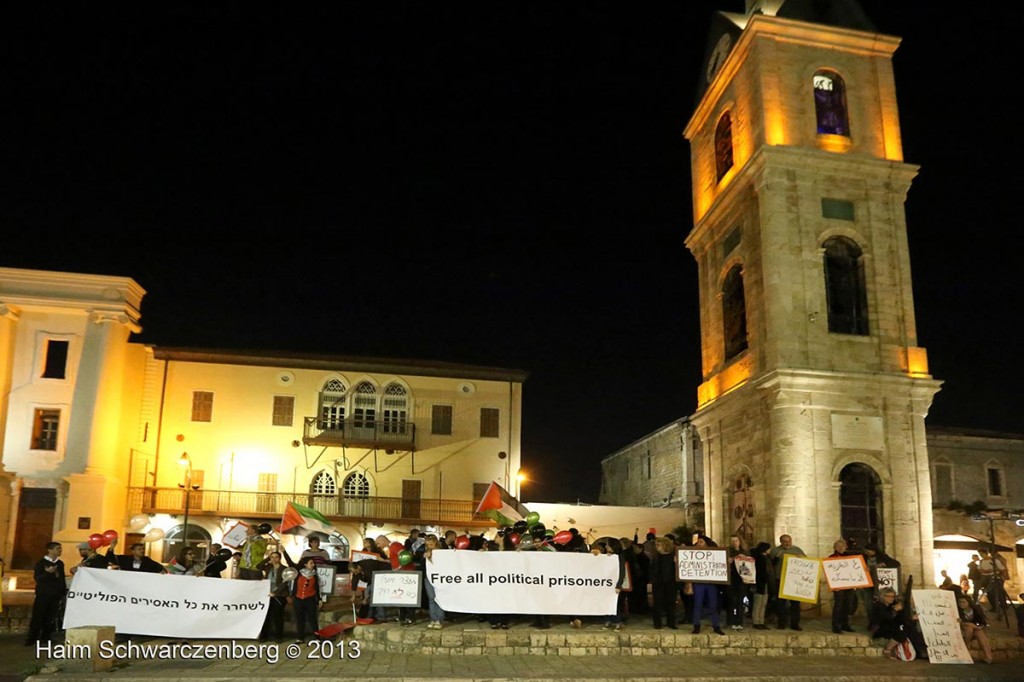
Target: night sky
{"x":504,"y":185}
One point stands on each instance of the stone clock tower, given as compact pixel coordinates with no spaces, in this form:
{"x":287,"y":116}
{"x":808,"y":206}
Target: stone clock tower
{"x":811,"y":411}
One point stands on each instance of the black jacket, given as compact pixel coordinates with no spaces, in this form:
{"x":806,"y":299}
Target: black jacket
{"x":50,"y":583}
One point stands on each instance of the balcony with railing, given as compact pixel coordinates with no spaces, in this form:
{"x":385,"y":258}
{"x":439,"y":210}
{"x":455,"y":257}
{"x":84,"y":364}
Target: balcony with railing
{"x":337,"y":508}
{"x":359,"y":433}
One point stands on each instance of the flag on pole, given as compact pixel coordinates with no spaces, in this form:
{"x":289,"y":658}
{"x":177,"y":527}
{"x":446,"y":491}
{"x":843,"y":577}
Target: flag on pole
{"x":301,"y":520}
{"x":501,"y":507}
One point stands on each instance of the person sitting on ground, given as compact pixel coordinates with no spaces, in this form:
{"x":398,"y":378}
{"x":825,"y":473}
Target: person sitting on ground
{"x":972,"y":626}
{"x":886,"y":614}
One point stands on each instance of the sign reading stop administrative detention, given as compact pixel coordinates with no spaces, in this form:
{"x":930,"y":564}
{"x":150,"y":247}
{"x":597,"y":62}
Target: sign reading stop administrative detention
{"x":704,"y":565}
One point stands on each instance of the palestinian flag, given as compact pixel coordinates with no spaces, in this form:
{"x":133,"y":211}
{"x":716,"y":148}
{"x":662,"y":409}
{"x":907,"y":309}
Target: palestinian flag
{"x":501,"y":507}
{"x":300,"y":520}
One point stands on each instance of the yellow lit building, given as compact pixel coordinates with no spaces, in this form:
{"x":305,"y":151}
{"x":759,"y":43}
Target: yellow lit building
{"x":94,"y":429}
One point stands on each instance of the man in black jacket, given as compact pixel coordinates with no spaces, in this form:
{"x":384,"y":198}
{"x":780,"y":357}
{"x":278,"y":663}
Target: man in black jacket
{"x":137,"y":560}
{"x":50,"y":590}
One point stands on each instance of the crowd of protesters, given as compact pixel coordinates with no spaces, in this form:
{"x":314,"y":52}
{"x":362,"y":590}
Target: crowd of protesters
{"x":653,"y":591}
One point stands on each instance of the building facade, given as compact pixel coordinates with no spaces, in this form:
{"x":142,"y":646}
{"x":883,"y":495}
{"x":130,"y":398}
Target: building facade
{"x":97,"y":429}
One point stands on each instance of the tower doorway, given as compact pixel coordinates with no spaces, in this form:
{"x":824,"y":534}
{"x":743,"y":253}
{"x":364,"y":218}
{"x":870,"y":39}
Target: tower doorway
{"x":860,"y":506}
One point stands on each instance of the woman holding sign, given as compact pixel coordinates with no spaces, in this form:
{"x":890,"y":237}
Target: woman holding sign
{"x":705,"y":594}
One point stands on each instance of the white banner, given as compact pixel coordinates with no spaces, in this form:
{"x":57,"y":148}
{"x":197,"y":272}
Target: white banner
{"x":938,"y":617}
{"x":552,"y":583}
{"x":167,"y":605}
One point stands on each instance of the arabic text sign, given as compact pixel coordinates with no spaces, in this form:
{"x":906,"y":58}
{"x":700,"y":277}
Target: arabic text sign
{"x":937,"y":614}
{"x":846,"y":572}
{"x":800,"y":578}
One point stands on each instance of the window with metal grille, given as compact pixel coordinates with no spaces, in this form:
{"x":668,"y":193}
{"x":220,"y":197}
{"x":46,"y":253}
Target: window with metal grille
{"x":284,"y":410}
{"x":845,"y":287}
{"x":395,"y":408}
{"x":323,"y":484}
{"x":356,"y":485}
{"x":55,"y":366}
{"x":489,"y":422}
{"x":441,"y":420}
{"x":830,"y":104}
{"x":45,"y":428}
{"x":860,"y":505}
{"x":202,"y":406}
{"x":723,"y":145}
{"x":734,"y":313}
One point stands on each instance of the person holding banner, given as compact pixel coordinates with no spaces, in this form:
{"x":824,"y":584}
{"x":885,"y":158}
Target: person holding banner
{"x":843,"y":601}
{"x":705,"y":593}
{"x":762,"y":571}
{"x":662,"y":575}
{"x":737,"y":589}
{"x":137,"y":560}
{"x":306,"y":598}
{"x":787,"y":610}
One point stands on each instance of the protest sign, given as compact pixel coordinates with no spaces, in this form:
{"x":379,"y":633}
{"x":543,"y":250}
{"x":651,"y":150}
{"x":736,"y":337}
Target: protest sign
{"x":799,"y":580}
{"x":167,"y":606}
{"x":325,"y":576}
{"x":846,"y":572}
{"x":396,"y":588}
{"x":938,"y":617}
{"x":704,"y":565}
{"x":888,"y":577}
{"x":236,"y":536}
{"x":537,"y":583}
{"x":746,"y":569}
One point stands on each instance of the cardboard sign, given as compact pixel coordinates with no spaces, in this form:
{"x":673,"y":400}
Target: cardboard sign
{"x":627,"y":579}
{"x":938,"y":617}
{"x":325,"y":576}
{"x":746,"y":568}
{"x":846,"y":572}
{"x":396,"y":588}
{"x":235,"y":537}
{"x":889,"y":577}
{"x":357,"y":555}
{"x":800,"y":578}
{"x":703,"y":565}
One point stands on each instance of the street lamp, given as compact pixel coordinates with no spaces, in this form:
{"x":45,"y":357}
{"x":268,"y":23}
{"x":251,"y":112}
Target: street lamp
{"x":186,"y":462}
{"x":520,"y":480}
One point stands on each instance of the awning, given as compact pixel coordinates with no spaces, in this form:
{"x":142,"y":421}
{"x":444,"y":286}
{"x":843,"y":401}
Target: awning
{"x":972,"y":545}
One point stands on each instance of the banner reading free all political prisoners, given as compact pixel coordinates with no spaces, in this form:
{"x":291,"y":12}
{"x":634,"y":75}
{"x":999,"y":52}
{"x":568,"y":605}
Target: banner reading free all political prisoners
{"x":167,"y":605}
{"x":553,"y":583}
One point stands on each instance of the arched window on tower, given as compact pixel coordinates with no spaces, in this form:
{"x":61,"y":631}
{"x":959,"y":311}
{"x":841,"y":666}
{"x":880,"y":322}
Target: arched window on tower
{"x":860,"y":505}
{"x":734,"y":313}
{"x":723,"y":146}
{"x":364,"y":410}
{"x":332,"y":405}
{"x":830,"y":104}
{"x":323,"y":491}
{"x":845,"y":287}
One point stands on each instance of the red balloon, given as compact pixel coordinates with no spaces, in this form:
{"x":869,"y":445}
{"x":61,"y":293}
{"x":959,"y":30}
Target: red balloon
{"x":514,"y":539}
{"x":109,"y":536}
{"x":95,"y":540}
{"x":562,"y":537}
{"x":393,"y":552}
{"x":462,"y":542}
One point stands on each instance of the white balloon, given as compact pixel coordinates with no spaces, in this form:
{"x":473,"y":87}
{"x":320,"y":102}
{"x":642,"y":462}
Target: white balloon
{"x":138,"y":521}
{"x":288,"y":574}
{"x":153,"y":535}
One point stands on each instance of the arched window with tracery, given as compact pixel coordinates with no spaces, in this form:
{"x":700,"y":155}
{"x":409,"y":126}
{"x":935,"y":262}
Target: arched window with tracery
{"x":332,"y":405}
{"x":323,"y":484}
{"x":723,"y":145}
{"x":845,"y":287}
{"x":395,"y":409}
{"x":830,"y":104}
{"x":356,"y":485}
{"x":734,"y":313}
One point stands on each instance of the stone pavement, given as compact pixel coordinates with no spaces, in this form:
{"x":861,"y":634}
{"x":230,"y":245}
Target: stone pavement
{"x":343,"y":660}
